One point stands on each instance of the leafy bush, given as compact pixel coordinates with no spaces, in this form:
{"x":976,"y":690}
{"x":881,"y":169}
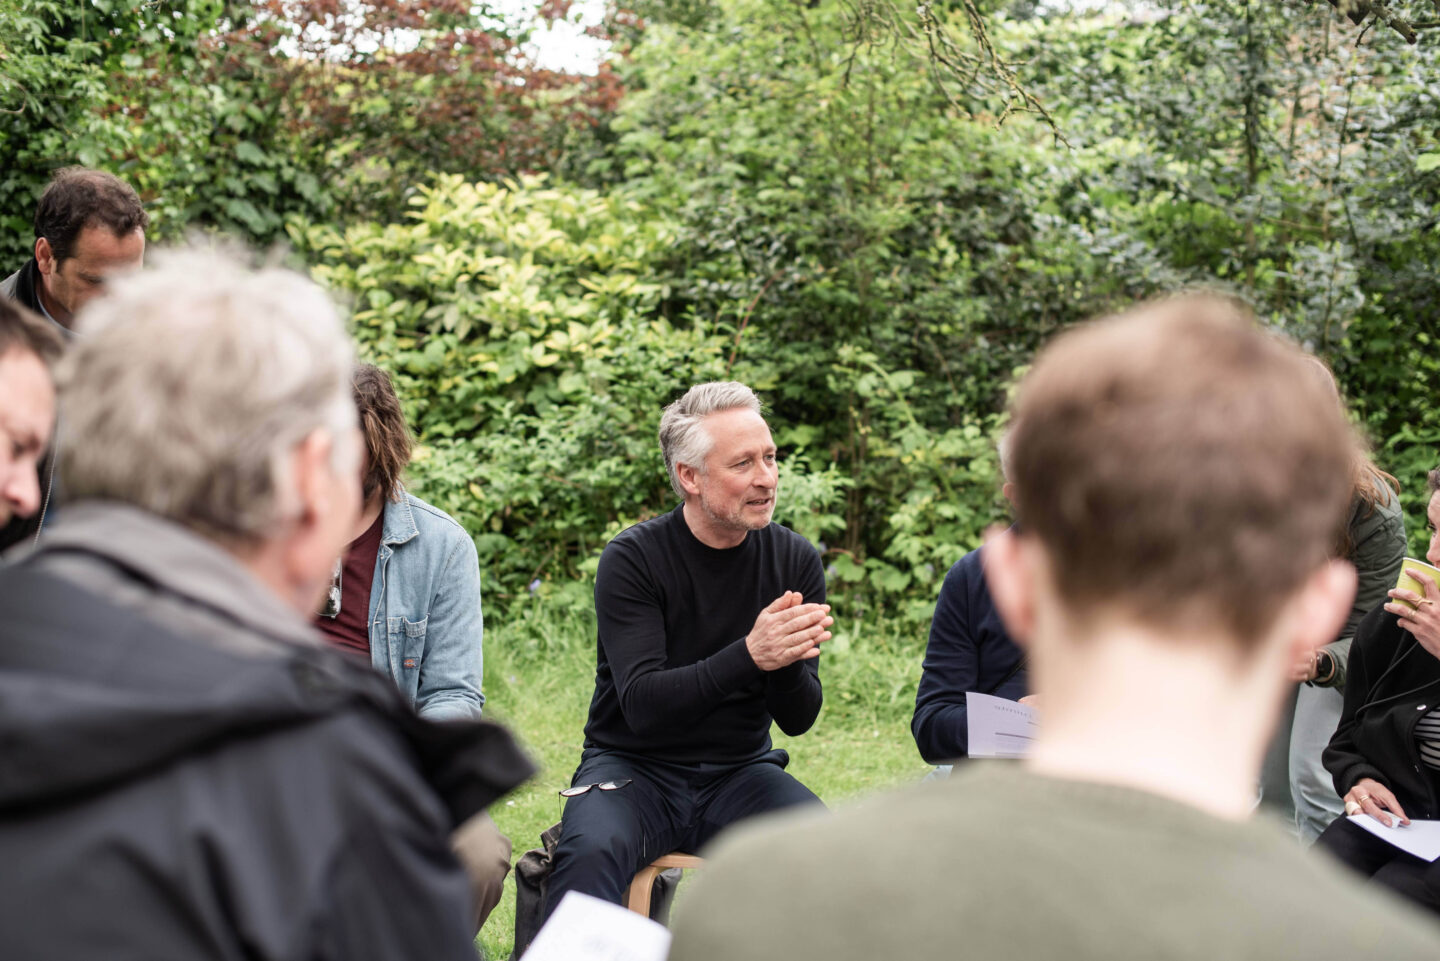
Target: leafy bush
{"x":534,"y":362}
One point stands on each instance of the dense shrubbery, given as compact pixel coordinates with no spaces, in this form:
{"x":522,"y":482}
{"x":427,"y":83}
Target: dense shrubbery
{"x":781,"y":197}
{"x":523,"y":325}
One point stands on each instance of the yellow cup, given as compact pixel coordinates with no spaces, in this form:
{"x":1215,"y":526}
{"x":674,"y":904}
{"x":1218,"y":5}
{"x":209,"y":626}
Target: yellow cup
{"x":1408,"y":583}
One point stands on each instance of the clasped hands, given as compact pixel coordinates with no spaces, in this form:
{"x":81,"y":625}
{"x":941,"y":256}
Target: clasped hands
{"x":788,"y":630}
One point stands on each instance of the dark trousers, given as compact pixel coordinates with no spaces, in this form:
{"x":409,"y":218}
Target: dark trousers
{"x":606,"y":836}
{"x":1414,"y":879}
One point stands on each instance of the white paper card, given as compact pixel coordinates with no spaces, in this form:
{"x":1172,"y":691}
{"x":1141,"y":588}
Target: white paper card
{"x":998,"y":728}
{"x":588,"y":929}
{"x":1420,"y":838}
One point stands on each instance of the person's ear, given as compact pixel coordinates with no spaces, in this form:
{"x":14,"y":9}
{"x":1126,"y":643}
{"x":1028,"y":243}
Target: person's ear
{"x":44,"y":256}
{"x":1008,"y":489}
{"x":689,"y":478}
{"x":313,"y":491}
{"x":1317,"y":611}
{"x":1010,"y":575}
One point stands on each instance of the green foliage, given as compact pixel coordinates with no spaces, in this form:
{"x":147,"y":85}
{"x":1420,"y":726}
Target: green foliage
{"x":534,"y":362}
{"x":784,"y":196}
{"x":1260,"y":149}
{"x":236,"y":116}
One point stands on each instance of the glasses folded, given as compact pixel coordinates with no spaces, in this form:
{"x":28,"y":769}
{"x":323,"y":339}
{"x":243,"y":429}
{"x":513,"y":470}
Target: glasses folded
{"x":580,"y":789}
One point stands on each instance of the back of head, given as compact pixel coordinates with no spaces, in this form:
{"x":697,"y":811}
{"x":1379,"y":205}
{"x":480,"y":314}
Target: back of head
{"x":191,"y":385}
{"x":1180,"y":463}
{"x":78,"y":197}
{"x":22,"y":329}
{"x":382,"y":425}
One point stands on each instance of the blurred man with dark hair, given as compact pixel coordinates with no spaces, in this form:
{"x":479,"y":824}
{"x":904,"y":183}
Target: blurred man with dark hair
{"x":1179,"y":478}
{"x":28,"y":348}
{"x":89,"y":225}
{"x":189,"y":772}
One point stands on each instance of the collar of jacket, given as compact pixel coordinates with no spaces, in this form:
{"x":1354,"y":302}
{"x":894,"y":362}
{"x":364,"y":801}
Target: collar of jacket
{"x":399,"y":525}
{"x":20,"y":286}
{"x":178,"y":559}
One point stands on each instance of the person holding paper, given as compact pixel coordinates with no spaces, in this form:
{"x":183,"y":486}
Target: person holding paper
{"x":1385,"y":755}
{"x":1179,"y":480}
{"x":969,"y":650}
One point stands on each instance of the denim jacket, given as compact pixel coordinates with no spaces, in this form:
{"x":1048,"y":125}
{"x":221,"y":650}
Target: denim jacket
{"x":425,"y":623}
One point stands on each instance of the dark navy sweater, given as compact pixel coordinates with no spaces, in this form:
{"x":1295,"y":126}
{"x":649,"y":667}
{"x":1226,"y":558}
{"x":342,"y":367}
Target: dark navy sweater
{"x":969,"y":650}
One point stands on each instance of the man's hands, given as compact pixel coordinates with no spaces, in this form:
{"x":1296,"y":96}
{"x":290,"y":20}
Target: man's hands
{"x":788,"y":631}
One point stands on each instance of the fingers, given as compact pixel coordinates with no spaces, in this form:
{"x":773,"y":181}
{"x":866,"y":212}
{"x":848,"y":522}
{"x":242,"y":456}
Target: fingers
{"x":807,"y":649}
{"x":1404,"y":594}
{"x":1369,"y":806}
{"x":1384,"y":798}
{"x":801,"y":616}
{"x":814,"y":634}
{"x":788,"y":599}
{"x":1426,"y":582}
{"x":1374,"y":799}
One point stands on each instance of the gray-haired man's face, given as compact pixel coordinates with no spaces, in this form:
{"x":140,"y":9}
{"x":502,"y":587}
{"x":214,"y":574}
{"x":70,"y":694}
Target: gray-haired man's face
{"x":737,"y":488}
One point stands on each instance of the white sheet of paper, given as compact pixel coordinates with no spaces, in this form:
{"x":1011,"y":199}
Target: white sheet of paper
{"x":1420,"y":838}
{"x":998,"y":728}
{"x":588,"y":929}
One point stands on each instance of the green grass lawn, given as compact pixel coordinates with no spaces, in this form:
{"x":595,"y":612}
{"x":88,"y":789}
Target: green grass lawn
{"x":539,"y":674}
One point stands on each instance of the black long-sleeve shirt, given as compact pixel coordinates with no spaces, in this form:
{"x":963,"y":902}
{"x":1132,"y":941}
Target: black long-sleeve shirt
{"x":673,"y":678}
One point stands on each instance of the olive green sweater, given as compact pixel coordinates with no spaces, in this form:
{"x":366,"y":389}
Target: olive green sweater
{"x":998,"y":863}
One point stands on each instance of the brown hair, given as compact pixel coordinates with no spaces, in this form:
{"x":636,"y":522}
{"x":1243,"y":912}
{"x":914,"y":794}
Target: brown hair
{"x":25,"y":330}
{"x":387,"y":438}
{"x":1432,"y":481}
{"x":1372,"y":487}
{"x":79,"y":197}
{"x":1180,"y":464}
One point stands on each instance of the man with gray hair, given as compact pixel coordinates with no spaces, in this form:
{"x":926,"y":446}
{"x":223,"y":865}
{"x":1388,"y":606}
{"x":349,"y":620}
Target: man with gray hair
{"x":709,"y":619}
{"x":189,"y":771}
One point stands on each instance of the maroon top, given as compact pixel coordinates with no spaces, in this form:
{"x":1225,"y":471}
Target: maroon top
{"x":350,"y":629}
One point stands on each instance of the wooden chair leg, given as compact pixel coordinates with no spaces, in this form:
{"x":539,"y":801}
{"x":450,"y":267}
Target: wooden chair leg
{"x":638,"y":900}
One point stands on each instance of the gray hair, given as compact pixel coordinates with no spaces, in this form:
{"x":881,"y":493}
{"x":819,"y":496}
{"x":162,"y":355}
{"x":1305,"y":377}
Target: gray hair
{"x":191,"y":384}
{"x":1002,"y":450}
{"x":683,"y":440}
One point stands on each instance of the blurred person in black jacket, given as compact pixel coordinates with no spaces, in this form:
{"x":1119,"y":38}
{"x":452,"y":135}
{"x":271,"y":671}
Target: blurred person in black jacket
{"x":189,"y":772}
{"x":1385,"y":755}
